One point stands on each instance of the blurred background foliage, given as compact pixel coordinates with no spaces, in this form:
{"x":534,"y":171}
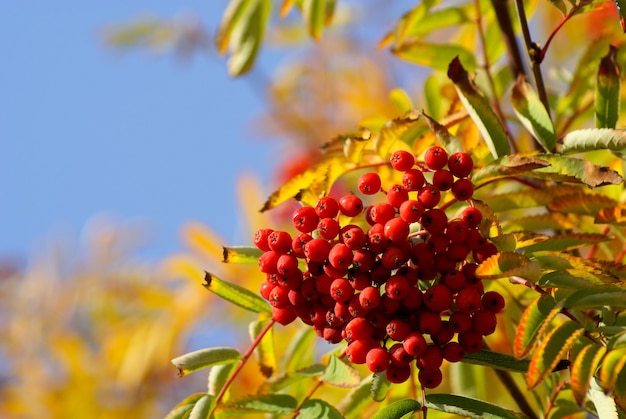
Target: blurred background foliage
{"x":88,"y":329}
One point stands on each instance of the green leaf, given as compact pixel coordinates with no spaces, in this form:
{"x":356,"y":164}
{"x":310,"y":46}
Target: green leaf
{"x":604,"y":295}
{"x":218,"y":375}
{"x":480,"y":110}
{"x":583,"y":369}
{"x":497,"y":361}
{"x":318,"y":409}
{"x":204,"y":358}
{"x":409,"y":23}
{"x":264,"y":351}
{"x":236,"y":294}
{"x":339,"y":374}
{"x":570,"y":279}
{"x":612,"y":364}
{"x":552,"y":349}
{"x":299,"y":353}
{"x":566,"y":241}
{"x":551,"y":220}
{"x":535,"y":319}
{"x":241,"y":254}
{"x":532,"y":114}
{"x":435,"y":56}
{"x":398,"y":409}
{"x":314,"y":13}
{"x":466,"y":407}
{"x":380,"y":387}
{"x":506,"y":264}
{"x":590,"y":139}
{"x":184,"y":407}
{"x":352,"y":405}
{"x":279,"y":404}
{"x":203,"y":408}
{"x":513,"y":165}
{"x":449,"y":141}
{"x":608,"y":91}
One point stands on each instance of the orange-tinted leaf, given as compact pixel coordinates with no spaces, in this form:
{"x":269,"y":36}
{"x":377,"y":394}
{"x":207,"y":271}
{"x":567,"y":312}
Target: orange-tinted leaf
{"x":506,"y":264}
{"x":567,"y":242}
{"x":449,"y":141}
{"x":569,"y":169}
{"x":508,"y":166}
{"x":533,"y":323}
{"x":583,"y":368}
{"x":581,"y":203}
{"x":612,"y":364}
{"x":553,"y":347}
{"x":405,"y":129}
{"x":547,"y":221}
{"x":571,"y":278}
{"x":614,"y":215}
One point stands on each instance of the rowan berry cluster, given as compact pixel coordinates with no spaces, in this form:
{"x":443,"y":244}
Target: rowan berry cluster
{"x":400,"y":289}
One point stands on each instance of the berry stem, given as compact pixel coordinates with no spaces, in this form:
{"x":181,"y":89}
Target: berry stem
{"x":554,"y":395}
{"x":243,"y":361}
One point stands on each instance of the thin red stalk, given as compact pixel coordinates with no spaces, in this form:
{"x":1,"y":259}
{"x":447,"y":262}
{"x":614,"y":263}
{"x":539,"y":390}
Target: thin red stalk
{"x":594,"y":248}
{"x":243,"y":361}
{"x":552,"y":400}
{"x":575,"y":9}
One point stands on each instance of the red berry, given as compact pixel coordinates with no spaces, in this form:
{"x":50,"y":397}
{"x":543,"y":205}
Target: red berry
{"x":398,"y":329}
{"x":377,"y":359}
{"x":340,"y":256}
{"x":382,"y":212}
{"x":297,"y":244}
{"x":438,"y":298}
{"x":413,"y":180}
{"x":369,"y":183}
{"x":472,"y":216}
{"x":460,"y":164}
{"x":396,"y":195}
{"x":350,"y":205}
{"x":284,"y":315}
{"x":443,"y":180}
{"x":471,"y":341}
{"x":443,"y":335}
{"x":411,"y":211}
{"x":357,"y":350}
{"x":363,"y":260}
{"x":279,"y":297}
{"x":434,"y":221}
{"x":268,"y":262}
{"x":266,"y":288}
{"x":398,"y":374}
{"x":429,"y":196}
{"x":463,"y":189}
{"x":457,"y":231}
{"x":328,"y":228}
{"x":332,"y":334}
{"x":430,"y":322}
{"x":317,"y":250}
{"x":396,"y":230}
{"x":458,"y":252}
{"x":397,"y":287}
{"x":468,"y":300}
{"x":279,"y":241}
{"x":369,"y":297}
{"x":435,"y":158}
{"x":402,"y":160}
{"x":484,"y":252}
{"x":341,"y":290}
{"x":484,"y":322}
{"x":415,"y":344}
{"x":376,"y":240}
{"x":414,"y":300}
{"x":260,"y":239}
{"x":493,"y":301}
{"x":398,"y":356}
{"x":453,"y":352}
{"x":323,"y":283}
{"x":327,"y":207}
{"x":438,"y":242}
{"x":305,"y":219}
{"x":430,"y":379}
{"x":359,"y":328}
{"x":393,"y":257}
{"x":287,"y":264}
{"x":431,"y":359}
{"x":353,"y":237}
{"x":460,"y":322}
{"x":455,"y":280}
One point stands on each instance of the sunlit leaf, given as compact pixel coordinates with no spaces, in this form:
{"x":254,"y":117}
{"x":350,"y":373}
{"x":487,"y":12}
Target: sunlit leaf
{"x":566,"y":242}
{"x":608,"y":91}
{"x":340,"y":374}
{"x":314,"y":13}
{"x":401,"y":100}
{"x":351,"y":406}
{"x":612,"y":364}
{"x":581,"y":203}
{"x":532,"y":113}
{"x":480,"y":110}
{"x":264,"y":352}
{"x":547,"y":221}
{"x":203,"y":408}
{"x":404,"y":129}
{"x":449,"y":141}
{"x":613,"y":215}
{"x":409,"y":22}
{"x":218,"y":376}
{"x":528,"y":198}
{"x":590,"y":139}
{"x":318,"y":409}
{"x":204,"y":358}
{"x":236,"y":294}
{"x":436,"y":56}
{"x":241,"y":254}
{"x":583,"y":368}
{"x":508,"y":166}
{"x":603,"y":403}
{"x":466,"y":407}
{"x":497,"y":360}
{"x":535,"y":319}
{"x":279,"y":404}
{"x":506,"y":264}
{"x":355,"y":144}
{"x":605,"y":295}
{"x":552,"y":349}
{"x":184,"y":408}
{"x":398,"y":409}
{"x":299,"y":353}
{"x":380,"y":387}
{"x":572,"y":279}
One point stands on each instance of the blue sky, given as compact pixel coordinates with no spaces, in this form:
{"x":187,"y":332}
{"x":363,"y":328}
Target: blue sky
{"x":144,"y":137}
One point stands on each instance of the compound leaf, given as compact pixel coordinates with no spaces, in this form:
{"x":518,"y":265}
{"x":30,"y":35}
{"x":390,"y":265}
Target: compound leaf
{"x":566,"y":242}
{"x":182,"y":409}
{"x":203,"y":408}
{"x":583,"y":369}
{"x":236,"y":294}
{"x":612,"y":364}
{"x":506,"y":264}
{"x":535,"y":319}
{"x":599,"y":296}
{"x":497,"y":361}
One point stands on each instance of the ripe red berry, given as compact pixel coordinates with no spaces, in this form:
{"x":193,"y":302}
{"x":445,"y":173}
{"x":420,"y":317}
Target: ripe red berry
{"x":327,"y":207}
{"x":484,"y":252}
{"x":393,"y":257}
{"x":279,"y":241}
{"x":260,"y":239}
{"x":340,"y":256}
{"x":398,"y":356}
{"x":376,"y":240}
{"x":284,"y":315}
{"x":455,"y":280}
{"x":415,"y":344}
{"x":443,"y":180}
{"x":414,"y":300}
{"x":363,"y":260}
{"x":458,"y":252}
{"x":382,"y":212}
{"x":279,"y":297}
{"x":431,"y":359}
{"x":398,"y":329}
{"x":357,"y":350}
{"x":396,"y":230}
{"x":453,"y":352}
{"x":435,"y":158}
{"x":396,"y":195}
{"x":430,"y":379}
{"x":430,"y":322}
{"x":411,"y":211}
{"x":268,"y":262}
{"x":297,"y":244}
{"x":438,"y":298}
{"x":460,"y":322}
{"x":468,"y":300}
{"x":402,"y":160}
{"x":434,"y":221}
{"x":359,"y":328}
{"x":397,"y":287}
{"x":471,"y":341}
{"x":493,"y":301}
{"x":398,"y":374}
{"x":317,"y":250}
{"x":369,"y":183}
{"x":429,"y":196}
{"x":305,"y":219}
{"x":484,"y":322}
{"x":377,"y":359}
{"x":266,"y":288}
{"x":287,"y":264}
{"x":369,"y":297}
{"x":457,"y":230}
{"x":443,"y":335}
{"x":353,"y":237}
{"x":472,"y":216}
{"x":341,"y":290}
{"x":463,"y":189}
{"x":350,"y":205}
{"x":413,"y":180}
{"x":460,"y":164}
{"x":438,"y":242}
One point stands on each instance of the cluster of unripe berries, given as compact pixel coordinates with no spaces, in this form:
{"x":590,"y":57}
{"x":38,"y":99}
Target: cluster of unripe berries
{"x":397,"y":282}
